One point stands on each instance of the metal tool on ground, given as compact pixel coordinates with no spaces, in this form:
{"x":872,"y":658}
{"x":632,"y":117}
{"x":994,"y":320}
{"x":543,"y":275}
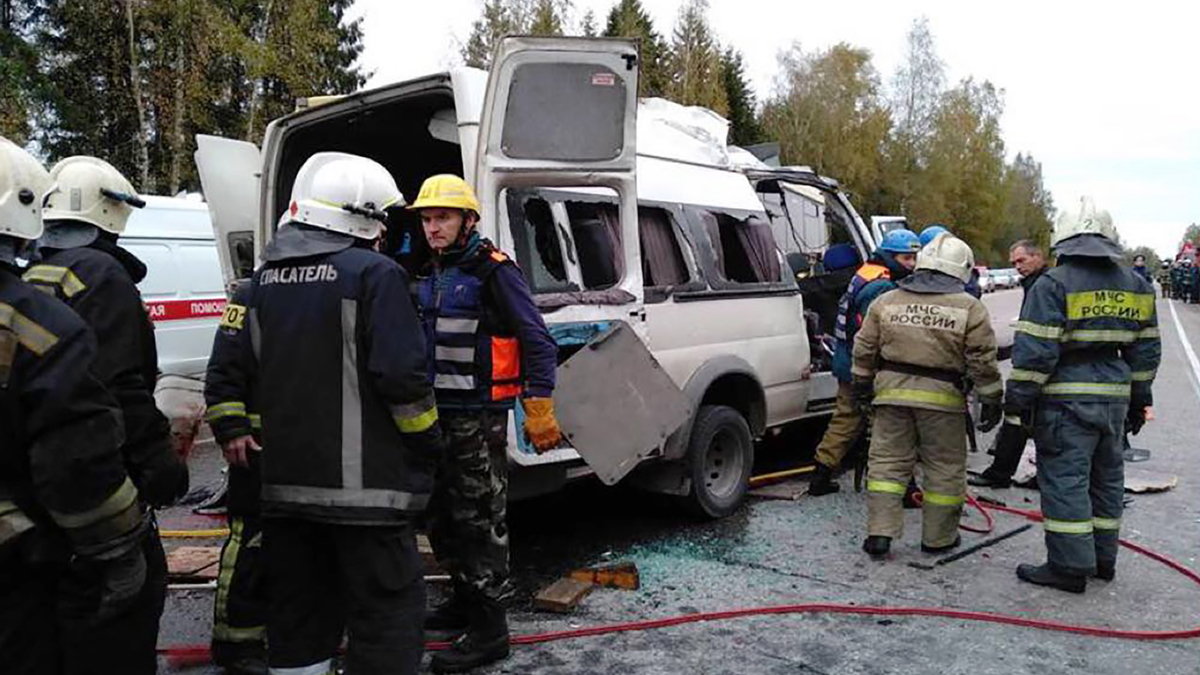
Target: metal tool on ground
{"x":991,"y":541}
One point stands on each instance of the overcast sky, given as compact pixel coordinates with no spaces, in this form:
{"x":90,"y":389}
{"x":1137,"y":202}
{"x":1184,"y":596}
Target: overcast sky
{"x":1107,"y":98}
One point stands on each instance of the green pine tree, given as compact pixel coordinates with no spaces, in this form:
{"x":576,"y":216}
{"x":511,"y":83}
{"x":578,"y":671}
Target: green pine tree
{"x":629,"y":19}
{"x":743,"y":123}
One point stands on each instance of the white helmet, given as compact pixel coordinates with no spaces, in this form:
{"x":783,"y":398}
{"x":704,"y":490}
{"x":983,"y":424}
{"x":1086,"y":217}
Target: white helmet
{"x":343,"y":193}
{"x":1087,"y":220}
{"x":90,"y":190}
{"x":947,"y":254}
{"x":23,"y":183}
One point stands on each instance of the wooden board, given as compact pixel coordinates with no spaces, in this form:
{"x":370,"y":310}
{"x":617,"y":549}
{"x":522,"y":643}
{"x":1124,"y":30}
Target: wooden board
{"x":562,"y":596}
{"x":619,"y":575}
{"x":1142,"y":481}
{"x":193,"y":563}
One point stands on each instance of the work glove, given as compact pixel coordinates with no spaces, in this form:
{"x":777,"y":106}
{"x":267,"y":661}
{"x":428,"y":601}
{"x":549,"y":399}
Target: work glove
{"x":541,"y":427}
{"x":863,"y":392}
{"x":1135,"y":419}
{"x":120,"y":577}
{"x":990,"y":415}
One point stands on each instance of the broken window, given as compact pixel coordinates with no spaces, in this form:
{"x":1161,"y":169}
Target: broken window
{"x":744,"y":248}
{"x":662,"y":258}
{"x":539,"y":249}
{"x":596,"y":230}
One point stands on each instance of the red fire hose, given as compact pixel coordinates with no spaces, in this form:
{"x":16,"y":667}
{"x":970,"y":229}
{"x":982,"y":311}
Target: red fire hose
{"x":192,"y":655}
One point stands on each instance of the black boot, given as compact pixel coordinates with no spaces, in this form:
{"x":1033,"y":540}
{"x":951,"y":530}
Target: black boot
{"x":823,"y":482}
{"x":1045,"y":575}
{"x":448,"y":620}
{"x":877,"y":546}
{"x":486,"y":640}
{"x":1106,"y":570}
{"x":988,"y":479}
{"x":943,"y":549}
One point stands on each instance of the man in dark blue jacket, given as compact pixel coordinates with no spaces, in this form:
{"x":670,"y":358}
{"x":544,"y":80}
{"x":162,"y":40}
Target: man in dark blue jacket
{"x":339,"y":376}
{"x":487,"y":346}
{"x":1085,"y":355}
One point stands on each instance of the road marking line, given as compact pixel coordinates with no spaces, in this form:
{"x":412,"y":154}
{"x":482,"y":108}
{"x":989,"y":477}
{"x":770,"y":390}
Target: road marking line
{"x":1187,"y":349}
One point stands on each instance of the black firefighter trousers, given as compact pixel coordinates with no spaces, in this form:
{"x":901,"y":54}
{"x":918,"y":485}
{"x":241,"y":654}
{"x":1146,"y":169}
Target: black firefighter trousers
{"x":326,"y":579}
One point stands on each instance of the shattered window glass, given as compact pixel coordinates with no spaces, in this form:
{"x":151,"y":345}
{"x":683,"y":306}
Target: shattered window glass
{"x":596,"y":231}
{"x":539,"y":249}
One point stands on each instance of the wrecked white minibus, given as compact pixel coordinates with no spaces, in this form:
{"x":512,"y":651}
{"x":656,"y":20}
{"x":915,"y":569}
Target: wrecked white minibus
{"x":663,"y":268}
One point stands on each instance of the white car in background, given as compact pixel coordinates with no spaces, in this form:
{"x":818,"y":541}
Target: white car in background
{"x":1006,"y":278}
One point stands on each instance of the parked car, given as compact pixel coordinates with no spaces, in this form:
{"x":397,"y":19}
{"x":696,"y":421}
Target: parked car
{"x":986,"y":283}
{"x":1006,"y":278}
{"x":669,"y":246}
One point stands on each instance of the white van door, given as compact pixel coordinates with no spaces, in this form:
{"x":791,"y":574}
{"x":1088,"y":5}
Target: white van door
{"x":562,"y":112}
{"x":229,"y":175}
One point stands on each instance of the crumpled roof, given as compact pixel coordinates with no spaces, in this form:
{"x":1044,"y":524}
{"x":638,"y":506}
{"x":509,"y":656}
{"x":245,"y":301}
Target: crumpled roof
{"x":688,"y":133}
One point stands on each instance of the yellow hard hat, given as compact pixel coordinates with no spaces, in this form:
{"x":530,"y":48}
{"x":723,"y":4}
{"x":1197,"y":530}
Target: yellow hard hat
{"x":446,"y":191}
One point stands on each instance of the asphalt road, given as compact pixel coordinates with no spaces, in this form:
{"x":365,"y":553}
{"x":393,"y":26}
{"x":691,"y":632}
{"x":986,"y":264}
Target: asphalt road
{"x":775,"y":552}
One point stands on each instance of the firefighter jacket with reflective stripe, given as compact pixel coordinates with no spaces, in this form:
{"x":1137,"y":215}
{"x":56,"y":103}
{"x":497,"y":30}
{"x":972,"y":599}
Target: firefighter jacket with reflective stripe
{"x":60,"y":430}
{"x":230,"y":396}
{"x":349,"y":422}
{"x":878,"y":276}
{"x":917,"y":342}
{"x":487,"y":339}
{"x":1088,"y":332}
{"x":98,"y":281}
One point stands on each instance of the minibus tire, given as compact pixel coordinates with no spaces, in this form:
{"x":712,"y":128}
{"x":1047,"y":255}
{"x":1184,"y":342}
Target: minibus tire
{"x":720,"y":457}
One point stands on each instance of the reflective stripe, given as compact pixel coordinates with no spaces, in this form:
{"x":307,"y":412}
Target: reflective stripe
{"x":223,"y":632}
{"x":1067,"y":526}
{"x":919,"y":396}
{"x":936,"y":499}
{"x":13,"y":521}
{"x":1111,"y":524}
{"x":31,"y":335}
{"x":1119,"y":336}
{"x":456,"y":354}
{"x":451,"y":325}
{"x":352,"y":417}
{"x":1039,"y":330}
{"x":888,"y":486}
{"x":323,"y":668}
{"x":229,"y":557}
{"x":122,"y":498}
{"x":413,"y":418}
{"x":1109,"y":303}
{"x":1144,"y":375}
{"x":374,"y":498}
{"x":226,"y":409}
{"x":1022,"y":375}
{"x":1014,"y":420}
{"x":993,"y":388}
{"x":255,"y":421}
{"x":458,"y":382}
{"x":1150,"y":333}
{"x":62,"y":277}
{"x":1087,"y":388}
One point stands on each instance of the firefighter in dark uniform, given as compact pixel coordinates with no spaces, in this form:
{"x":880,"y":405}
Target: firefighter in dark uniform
{"x":68,"y":511}
{"x":240,"y":606}
{"x":891,"y":262}
{"x":1086,"y":352}
{"x":1030,"y":263}
{"x":916,"y":347}
{"x":487,"y":345}
{"x":83,"y":266}
{"x":337,"y":361}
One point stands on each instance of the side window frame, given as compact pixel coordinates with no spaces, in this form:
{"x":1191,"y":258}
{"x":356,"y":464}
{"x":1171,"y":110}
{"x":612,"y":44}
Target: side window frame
{"x":686,"y":243}
{"x":716,"y":284}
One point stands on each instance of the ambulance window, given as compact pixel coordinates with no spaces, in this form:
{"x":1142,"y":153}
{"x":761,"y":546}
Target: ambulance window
{"x":537,"y":244}
{"x":201,"y":269}
{"x":160,"y":268}
{"x":596,"y":229}
{"x":744,"y":248}
{"x":662,"y":259}
{"x":564,"y":111}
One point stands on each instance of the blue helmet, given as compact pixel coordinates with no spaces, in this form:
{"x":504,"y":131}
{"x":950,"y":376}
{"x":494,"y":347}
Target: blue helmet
{"x":900,"y":241}
{"x":931,"y":232}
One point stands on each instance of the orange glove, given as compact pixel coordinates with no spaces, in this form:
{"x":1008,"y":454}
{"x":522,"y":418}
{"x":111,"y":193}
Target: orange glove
{"x":541,"y":427}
